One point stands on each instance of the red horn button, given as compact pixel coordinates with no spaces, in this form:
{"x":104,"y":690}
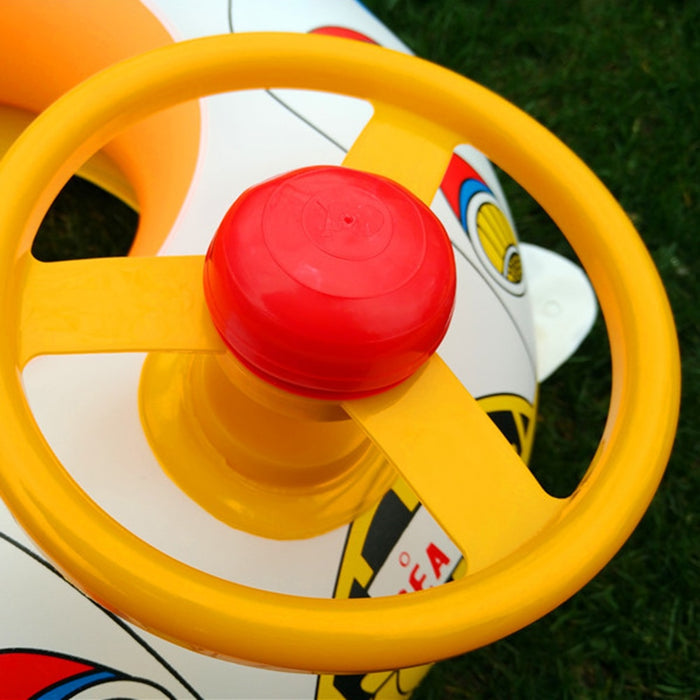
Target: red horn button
{"x":330,"y":282}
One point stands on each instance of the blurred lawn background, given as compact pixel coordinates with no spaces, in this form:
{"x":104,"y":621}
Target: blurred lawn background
{"x":619,"y":83}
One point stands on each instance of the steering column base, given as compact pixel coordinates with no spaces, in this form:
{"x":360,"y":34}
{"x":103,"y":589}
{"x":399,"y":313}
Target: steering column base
{"x":265,"y":471}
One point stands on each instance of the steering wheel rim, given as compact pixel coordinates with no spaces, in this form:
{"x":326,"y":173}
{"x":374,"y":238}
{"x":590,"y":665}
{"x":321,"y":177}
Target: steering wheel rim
{"x":343,"y":636}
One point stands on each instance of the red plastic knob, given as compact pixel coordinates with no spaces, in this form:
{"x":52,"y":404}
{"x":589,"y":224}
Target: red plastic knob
{"x":330,"y":282}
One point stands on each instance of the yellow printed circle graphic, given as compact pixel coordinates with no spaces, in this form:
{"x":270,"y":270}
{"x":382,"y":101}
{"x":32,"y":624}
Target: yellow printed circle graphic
{"x":495,"y":242}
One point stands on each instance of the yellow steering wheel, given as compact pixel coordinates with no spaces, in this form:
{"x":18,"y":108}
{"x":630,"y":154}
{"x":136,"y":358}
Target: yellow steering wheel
{"x":527,"y":551}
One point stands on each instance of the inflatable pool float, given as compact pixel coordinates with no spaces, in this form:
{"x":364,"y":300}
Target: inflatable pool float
{"x":276,"y":534}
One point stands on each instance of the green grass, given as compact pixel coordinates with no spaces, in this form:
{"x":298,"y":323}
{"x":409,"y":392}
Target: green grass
{"x":618,"y":82}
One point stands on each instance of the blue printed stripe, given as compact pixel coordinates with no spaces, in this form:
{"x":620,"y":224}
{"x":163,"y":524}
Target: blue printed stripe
{"x":74,"y":685}
{"x":466,"y":191}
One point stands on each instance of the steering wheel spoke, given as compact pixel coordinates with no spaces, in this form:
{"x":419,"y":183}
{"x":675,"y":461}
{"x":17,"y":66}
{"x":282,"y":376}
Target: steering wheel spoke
{"x":115,"y":305}
{"x":405,"y":148}
{"x":457,"y":461}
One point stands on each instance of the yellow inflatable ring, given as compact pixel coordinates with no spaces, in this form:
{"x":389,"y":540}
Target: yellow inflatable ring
{"x":421,"y":113}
